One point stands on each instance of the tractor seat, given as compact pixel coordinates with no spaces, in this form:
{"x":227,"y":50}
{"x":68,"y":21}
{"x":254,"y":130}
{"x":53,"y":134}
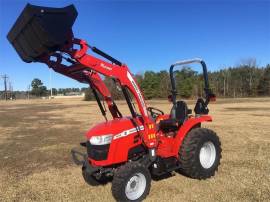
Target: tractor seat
{"x":168,"y":125}
{"x":180,"y":111}
{"x":179,"y":114}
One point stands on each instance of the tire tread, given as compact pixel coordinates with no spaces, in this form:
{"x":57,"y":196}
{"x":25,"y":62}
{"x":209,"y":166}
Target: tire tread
{"x":188,"y":153}
{"x":121,"y":176}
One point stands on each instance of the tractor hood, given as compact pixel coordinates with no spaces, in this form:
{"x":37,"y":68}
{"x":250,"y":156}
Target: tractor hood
{"x":114,"y":127}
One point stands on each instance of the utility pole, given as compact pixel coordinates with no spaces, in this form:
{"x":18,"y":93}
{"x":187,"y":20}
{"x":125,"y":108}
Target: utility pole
{"x":5,"y":77}
{"x":28,"y":92}
{"x":51,"y":81}
{"x":10,"y":90}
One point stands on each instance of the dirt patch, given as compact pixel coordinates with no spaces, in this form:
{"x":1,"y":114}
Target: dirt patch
{"x":247,"y":109}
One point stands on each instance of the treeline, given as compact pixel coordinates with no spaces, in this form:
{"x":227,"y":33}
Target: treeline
{"x":38,"y":89}
{"x":241,"y":81}
{"x":246,"y":80}
{"x":64,"y":91}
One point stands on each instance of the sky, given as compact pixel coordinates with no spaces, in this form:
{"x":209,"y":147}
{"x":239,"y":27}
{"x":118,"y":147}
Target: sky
{"x":150,"y":35}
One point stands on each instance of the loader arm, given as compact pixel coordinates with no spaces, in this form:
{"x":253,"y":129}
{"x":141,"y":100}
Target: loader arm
{"x":86,"y":68}
{"x":43,"y":34}
{"x":90,"y":77}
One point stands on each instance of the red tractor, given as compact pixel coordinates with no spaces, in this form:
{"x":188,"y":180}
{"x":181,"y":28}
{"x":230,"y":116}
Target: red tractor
{"x":130,"y":150}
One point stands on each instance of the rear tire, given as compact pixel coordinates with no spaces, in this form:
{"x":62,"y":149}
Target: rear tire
{"x":131,"y":182}
{"x":200,"y":154}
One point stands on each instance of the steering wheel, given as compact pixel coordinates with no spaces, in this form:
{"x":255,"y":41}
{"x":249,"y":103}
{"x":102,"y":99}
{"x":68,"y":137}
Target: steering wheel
{"x":155,"y":112}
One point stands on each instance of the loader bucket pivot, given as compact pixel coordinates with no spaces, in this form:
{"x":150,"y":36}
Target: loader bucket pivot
{"x":41,"y":30}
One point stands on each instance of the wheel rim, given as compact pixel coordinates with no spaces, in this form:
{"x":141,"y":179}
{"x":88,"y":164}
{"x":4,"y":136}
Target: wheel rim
{"x":207,"y":155}
{"x":135,"y":186}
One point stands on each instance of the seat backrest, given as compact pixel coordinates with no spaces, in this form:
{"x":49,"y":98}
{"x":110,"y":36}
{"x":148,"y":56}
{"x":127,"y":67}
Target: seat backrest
{"x":201,"y":107}
{"x":179,"y":111}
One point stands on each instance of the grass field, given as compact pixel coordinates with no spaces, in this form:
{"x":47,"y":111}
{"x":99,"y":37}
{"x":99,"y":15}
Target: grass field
{"x":36,"y":138}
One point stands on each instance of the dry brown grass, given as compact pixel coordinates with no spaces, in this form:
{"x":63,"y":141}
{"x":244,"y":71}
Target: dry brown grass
{"x":36,"y":138}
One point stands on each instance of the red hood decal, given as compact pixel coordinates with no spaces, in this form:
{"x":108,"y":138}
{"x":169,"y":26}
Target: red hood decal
{"x":114,"y":127}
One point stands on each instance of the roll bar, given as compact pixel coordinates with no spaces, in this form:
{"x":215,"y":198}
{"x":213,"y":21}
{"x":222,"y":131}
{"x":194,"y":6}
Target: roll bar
{"x":207,"y":90}
{"x":184,"y":62}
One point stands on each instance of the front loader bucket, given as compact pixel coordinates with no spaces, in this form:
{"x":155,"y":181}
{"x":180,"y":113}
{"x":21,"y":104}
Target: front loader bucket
{"x":41,"y":30}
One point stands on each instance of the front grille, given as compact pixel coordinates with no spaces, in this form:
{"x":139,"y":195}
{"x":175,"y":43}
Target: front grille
{"x":97,"y":152}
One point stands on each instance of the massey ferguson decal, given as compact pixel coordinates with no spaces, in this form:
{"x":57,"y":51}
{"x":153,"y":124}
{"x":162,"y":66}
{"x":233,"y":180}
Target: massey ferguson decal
{"x":128,"y":132}
{"x":105,"y":67}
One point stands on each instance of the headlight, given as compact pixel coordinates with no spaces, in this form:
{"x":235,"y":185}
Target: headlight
{"x":101,"y":140}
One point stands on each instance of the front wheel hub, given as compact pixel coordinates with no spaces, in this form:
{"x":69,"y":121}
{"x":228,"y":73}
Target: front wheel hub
{"x":207,"y":155}
{"x":135,"y":186}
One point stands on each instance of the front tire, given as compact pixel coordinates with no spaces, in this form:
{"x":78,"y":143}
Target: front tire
{"x":131,"y":182}
{"x":200,"y":154}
